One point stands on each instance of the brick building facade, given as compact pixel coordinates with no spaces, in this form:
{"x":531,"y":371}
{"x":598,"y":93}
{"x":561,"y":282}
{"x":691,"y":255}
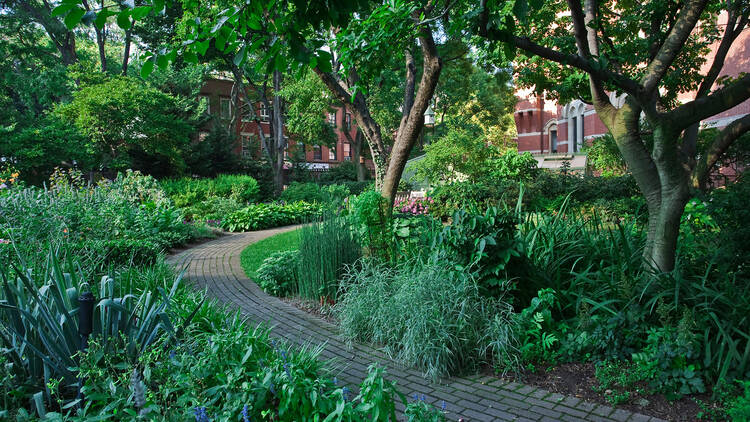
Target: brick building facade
{"x":555,"y":133}
{"x":218,"y":94}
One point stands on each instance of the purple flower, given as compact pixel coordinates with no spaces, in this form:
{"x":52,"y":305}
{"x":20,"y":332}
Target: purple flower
{"x":200,"y":414}
{"x":345,"y":393}
{"x":3,"y":186}
{"x":245,"y":417}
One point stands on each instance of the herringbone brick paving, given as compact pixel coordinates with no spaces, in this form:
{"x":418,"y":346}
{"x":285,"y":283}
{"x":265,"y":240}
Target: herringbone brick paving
{"x":215,"y":266}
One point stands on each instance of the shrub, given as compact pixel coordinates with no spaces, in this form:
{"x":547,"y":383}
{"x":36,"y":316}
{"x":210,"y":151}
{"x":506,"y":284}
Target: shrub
{"x":369,"y":212}
{"x":739,"y":408}
{"x":278,"y":273}
{"x":187,"y":191}
{"x":94,"y":220}
{"x":483,"y":244}
{"x":265,"y":216}
{"x":213,"y":208}
{"x":307,"y":192}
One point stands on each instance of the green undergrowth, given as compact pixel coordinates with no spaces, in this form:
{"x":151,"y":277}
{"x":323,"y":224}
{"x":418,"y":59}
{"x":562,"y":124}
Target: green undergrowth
{"x":252,"y":257}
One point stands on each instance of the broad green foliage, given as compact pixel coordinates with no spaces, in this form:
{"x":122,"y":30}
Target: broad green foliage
{"x":483,"y":245}
{"x":278,"y":273}
{"x":123,"y":118}
{"x":266,"y":216}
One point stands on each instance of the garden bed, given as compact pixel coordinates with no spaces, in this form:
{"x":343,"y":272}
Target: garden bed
{"x":579,"y":380}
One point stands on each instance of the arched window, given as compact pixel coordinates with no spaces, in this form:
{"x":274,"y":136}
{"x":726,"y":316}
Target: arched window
{"x":574,"y":113}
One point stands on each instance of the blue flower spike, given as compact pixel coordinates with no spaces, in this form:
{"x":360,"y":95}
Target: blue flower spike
{"x":245,"y":417}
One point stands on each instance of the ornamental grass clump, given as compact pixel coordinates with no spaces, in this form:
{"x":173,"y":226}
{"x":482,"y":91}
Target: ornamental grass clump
{"x":326,"y":249}
{"x":424,"y":312}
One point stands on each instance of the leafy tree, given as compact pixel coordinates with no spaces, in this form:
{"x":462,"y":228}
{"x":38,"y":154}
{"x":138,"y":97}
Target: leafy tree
{"x":48,"y":143}
{"x":308,"y":102}
{"x":124,"y":117}
{"x":365,"y":37}
{"x":461,"y":153}
{"x":649,"y":52}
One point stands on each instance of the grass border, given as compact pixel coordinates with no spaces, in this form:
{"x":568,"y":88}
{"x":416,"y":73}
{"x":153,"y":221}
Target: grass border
{"x":253,"y":255}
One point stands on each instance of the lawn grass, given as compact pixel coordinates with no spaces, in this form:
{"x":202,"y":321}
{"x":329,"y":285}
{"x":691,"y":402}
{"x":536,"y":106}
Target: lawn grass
{"x":253,"y":255}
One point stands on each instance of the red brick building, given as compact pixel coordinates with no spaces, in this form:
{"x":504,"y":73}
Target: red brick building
{"x":554,"y":133}
{"x":218,"y":95}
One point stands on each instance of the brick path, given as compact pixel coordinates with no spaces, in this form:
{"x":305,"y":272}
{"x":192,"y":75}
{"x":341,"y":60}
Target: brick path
{"x":215,"y":266}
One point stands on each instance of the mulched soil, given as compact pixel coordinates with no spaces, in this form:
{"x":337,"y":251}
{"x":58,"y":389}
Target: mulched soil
{"x":578,"y":380}
{"x":312,"y":307}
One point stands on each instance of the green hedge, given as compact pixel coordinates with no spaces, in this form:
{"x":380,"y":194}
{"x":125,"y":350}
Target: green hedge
{"x":266,"y":216}
{"x":187,"y":191}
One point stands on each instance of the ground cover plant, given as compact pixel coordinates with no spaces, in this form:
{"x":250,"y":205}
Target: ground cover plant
{"x":266,"y":216}
{"x":113,"y":222}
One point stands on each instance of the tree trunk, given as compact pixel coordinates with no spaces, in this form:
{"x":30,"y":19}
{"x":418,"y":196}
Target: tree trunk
{"x":126,"y":52}
{"x":357,"y":153}
{"x":278,"y":135}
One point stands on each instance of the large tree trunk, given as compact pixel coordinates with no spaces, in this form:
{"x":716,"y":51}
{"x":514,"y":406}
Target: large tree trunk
{"x":277,"y":155}
{"x":357,"y":153}
{"x":126,"y":51}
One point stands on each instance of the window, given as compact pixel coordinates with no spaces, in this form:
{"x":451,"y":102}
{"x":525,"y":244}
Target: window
{"x":332,"y":154}
{"x":553,"y":140}
{"x":207,"y":99}
{"x":348,"y":121}
{"x":225,"y":106}
{"x":332,"y":119}
{"x":264,"y":114}
{"x":248,"y":142}
{"x":317,"y":152}
{"x":247,"y":112}
{"x":347,"y":152}
{"x":574,"y":138}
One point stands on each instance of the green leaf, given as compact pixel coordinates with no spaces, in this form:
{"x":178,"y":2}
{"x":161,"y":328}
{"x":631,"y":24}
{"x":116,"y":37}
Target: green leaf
{"x":202,"y":46}
{"x":190,"y":57}
{"x":101,"y":18}
{"x":147,"y":68}
{"x":74,"y":17}
{"x":62,"y":9}
{"x":162,"y":62}
{"x":521,"y":10}
{"x":123,"y":19}
{"x":140,"y":12}
{"x":239,"y":57}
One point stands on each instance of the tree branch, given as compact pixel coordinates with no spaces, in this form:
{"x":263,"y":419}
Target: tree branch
{"x":675,"y":41}
{"x":524,"y":43}
{"x":702,"y":108}
{"x":720,"y":145}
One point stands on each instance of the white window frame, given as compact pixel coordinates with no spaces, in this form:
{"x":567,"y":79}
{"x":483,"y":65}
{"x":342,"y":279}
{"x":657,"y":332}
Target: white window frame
{"x":332,"y":119}
{"x":264,"y":114}
{"x":348,"y":121}
{"x":227,"y":110}
{"x":247,"y":141}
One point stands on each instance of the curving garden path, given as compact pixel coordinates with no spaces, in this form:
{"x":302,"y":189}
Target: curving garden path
{"x":215,"y":266}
